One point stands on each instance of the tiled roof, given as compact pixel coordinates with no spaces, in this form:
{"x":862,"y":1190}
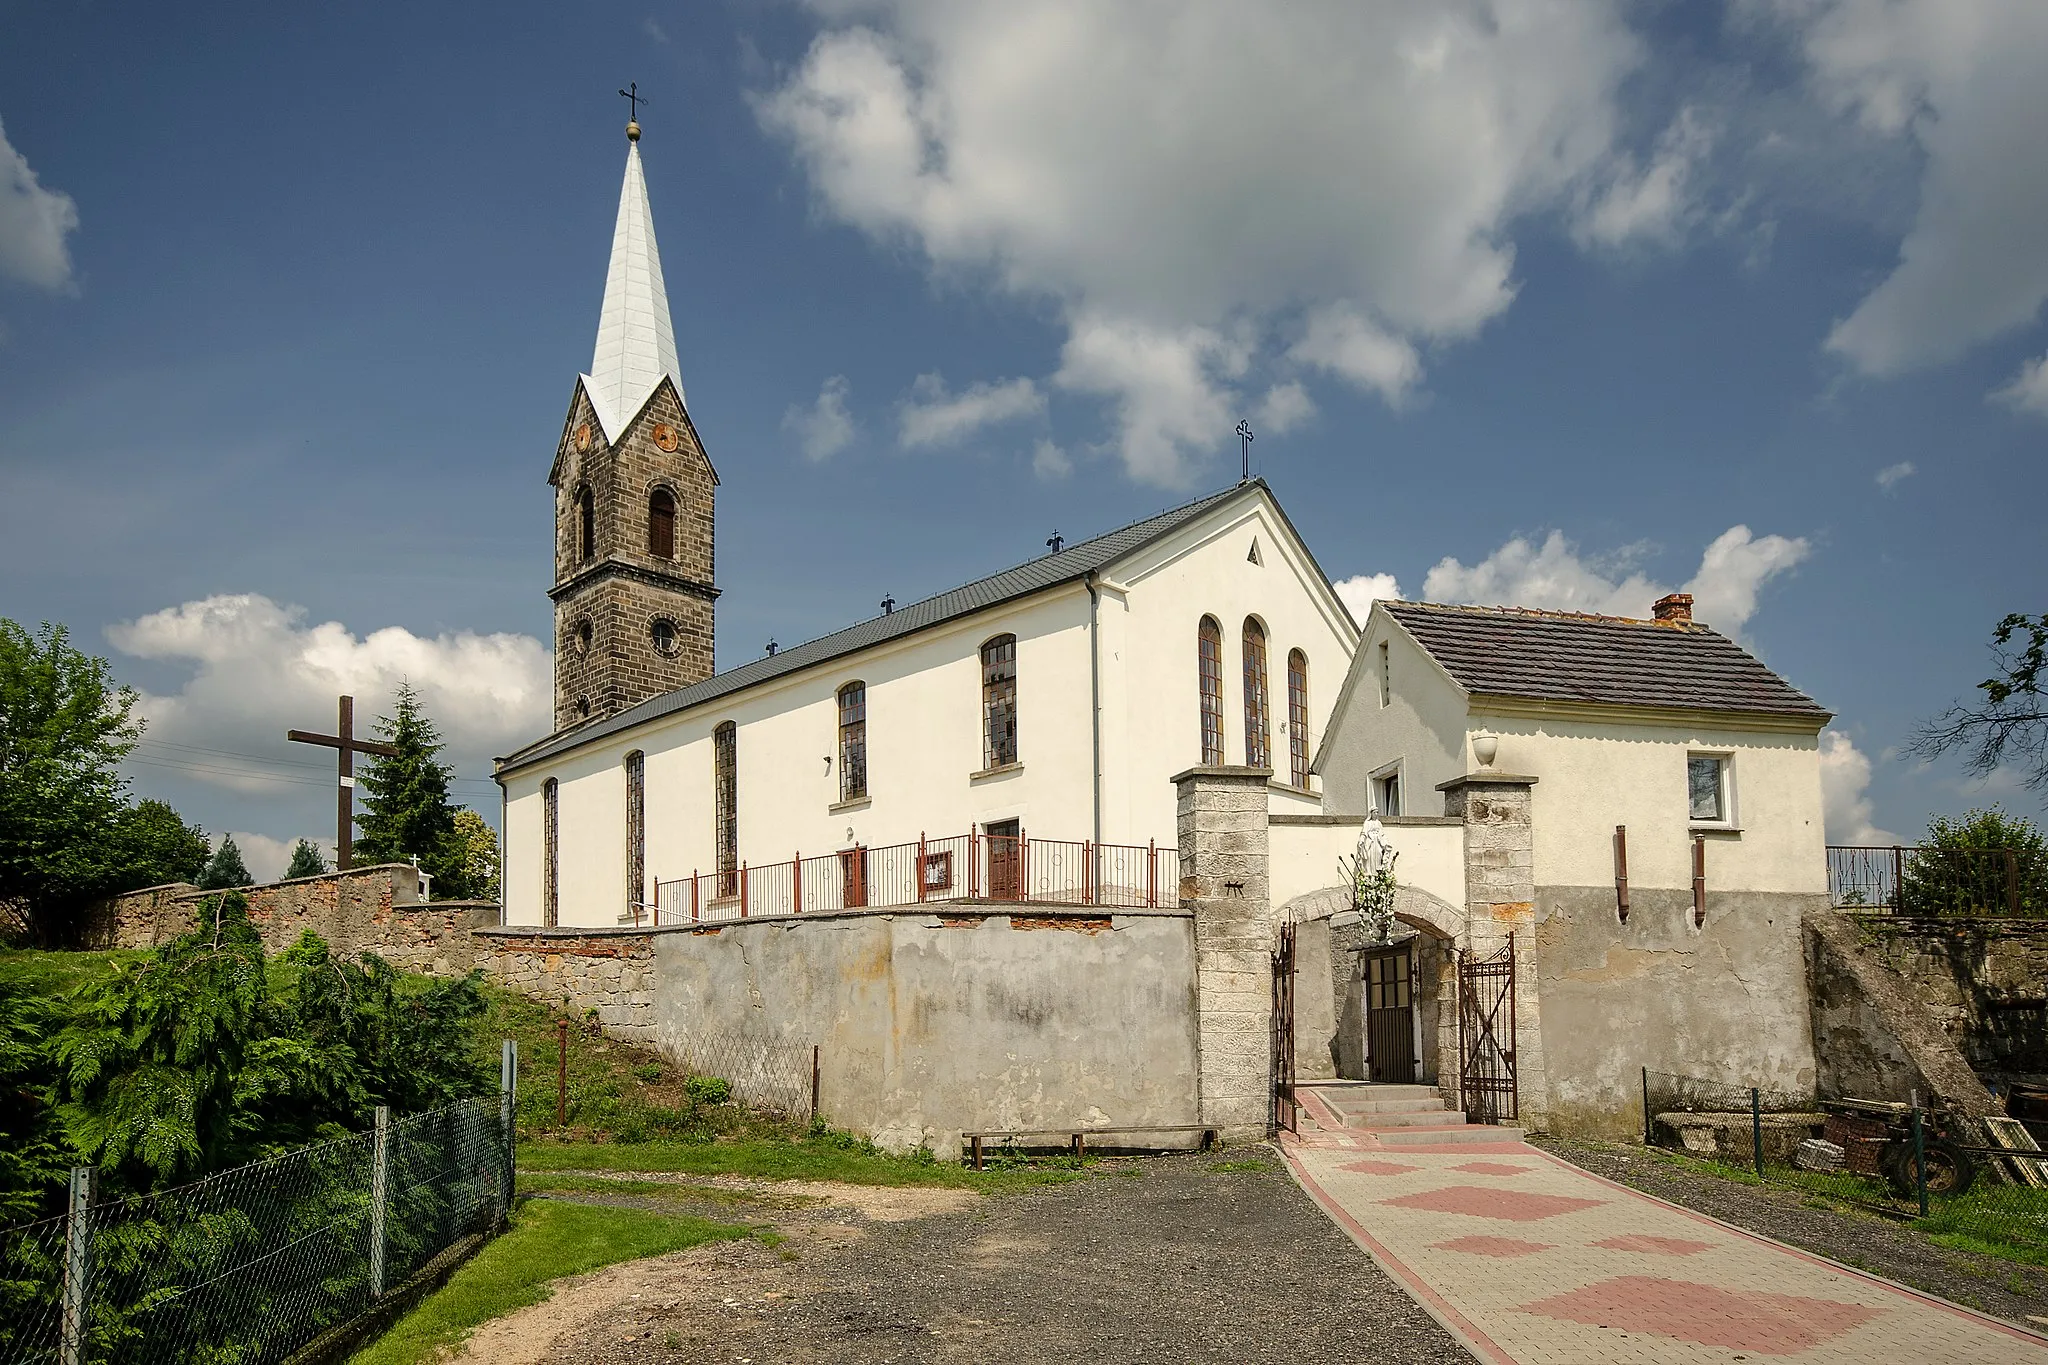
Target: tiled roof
{"x":1610,"y":660}
{"x":1068,"y":565}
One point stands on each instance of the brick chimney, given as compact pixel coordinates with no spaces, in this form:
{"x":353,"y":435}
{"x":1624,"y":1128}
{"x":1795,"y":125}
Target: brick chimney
{"x":1674,"y":607}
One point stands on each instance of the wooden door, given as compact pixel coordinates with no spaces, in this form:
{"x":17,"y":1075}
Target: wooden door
{"x":853,"y":876}
{"x":1390,"y":1017}
{"x":1005,"y":860}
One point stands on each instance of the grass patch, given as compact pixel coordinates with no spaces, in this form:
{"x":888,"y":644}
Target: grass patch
{"x":51,"y":974}
{"x":540,"y":1182}
{"x":820,"y":1156}
{"x":549,"y":1239}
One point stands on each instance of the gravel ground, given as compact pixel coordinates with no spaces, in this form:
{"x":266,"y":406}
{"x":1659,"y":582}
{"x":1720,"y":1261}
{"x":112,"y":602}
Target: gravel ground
{"x":1184,"y":1258}
{"x":1882,"y":1247}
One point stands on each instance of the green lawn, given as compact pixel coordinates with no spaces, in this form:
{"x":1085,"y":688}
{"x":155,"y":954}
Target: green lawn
{"x":54,"y":974}
{"x":825,"y":1156}
{"x":550,"y":1239}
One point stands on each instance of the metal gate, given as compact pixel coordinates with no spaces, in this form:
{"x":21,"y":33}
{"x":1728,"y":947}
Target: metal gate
{"x":1281,"y":1112}
{"x":1486,"y":1036}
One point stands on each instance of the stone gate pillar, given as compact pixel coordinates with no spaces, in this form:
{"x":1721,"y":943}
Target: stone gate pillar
{"x":1500,"y":898}
{"x":1221,"y":817}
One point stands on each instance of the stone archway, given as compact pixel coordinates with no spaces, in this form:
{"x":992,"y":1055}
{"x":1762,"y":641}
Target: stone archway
{"x":1329,"y":1023}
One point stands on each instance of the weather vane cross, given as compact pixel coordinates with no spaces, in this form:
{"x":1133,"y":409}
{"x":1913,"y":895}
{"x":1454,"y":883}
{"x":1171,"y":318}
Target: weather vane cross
{"x":1244,"y":438}
{"x":634,"y":99}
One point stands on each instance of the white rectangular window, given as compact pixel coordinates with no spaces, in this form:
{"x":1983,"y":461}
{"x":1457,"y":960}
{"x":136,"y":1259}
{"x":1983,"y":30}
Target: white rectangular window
{"x":1706,"y":778}
{"x":1386,"y":792}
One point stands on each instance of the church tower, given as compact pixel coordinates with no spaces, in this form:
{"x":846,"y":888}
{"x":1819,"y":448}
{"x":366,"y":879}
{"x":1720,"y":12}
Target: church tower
{"x":634,"y":498}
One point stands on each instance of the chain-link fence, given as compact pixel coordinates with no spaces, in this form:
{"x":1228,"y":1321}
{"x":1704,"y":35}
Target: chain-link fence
{"x":249,"y":1265}
{"x":765,"y":1073}
{"x":1977,"y":1183}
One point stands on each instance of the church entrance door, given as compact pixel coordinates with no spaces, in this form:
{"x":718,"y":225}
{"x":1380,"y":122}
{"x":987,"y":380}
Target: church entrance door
{"x":1390,"y":1016}
{"x":1005,"y":860}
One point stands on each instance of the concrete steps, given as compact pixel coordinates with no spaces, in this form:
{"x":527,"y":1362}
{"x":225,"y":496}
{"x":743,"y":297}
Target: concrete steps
{"x":1403,"y":1115}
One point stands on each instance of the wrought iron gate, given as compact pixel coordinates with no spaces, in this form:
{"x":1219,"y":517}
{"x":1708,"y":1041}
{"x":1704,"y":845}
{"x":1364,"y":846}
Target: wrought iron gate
{"x":1486,"y":1036}
{"x":1281,"y":1112}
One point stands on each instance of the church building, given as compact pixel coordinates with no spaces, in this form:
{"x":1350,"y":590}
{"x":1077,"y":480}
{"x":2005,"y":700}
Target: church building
{"x":1012,"y":738}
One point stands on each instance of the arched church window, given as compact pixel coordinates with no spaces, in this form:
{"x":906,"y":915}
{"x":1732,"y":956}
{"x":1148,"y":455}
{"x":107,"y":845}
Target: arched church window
{"x":550,"y":854}
{"x":586,"y":523}
{"x":661,"y":524}
{"x":853,"y":741}
{"x":1258,"y":752}
{"x":999,"y":701}
{"x":725,"y":791}
{"x":581,"y":633}
{"x":1297,"y":718}
{"x":1209,"y":667}
{"x":636,"y":832}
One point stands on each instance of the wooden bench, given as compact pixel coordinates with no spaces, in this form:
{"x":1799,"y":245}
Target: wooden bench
{"x":1077,"y":1138}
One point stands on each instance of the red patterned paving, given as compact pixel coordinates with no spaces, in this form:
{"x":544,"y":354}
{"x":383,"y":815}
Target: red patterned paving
{"x":1769,"y":1324}
{"x":1379,"y":1167}
{"x":1655,"y":1246}
{"x":1491,"y":1246}
{"x":1490,"y":1168}
{"x":1510,"y":1205}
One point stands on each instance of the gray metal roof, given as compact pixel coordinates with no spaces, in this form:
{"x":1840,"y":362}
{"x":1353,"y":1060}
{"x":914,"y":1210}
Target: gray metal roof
{"x":1612,"y":660}
{"x":1048,"y":571}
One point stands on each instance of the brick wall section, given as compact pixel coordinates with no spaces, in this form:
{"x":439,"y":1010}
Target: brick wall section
{"x":624,"y":588}
{"x":1221,"y":818}
{"x":1500,"y":898}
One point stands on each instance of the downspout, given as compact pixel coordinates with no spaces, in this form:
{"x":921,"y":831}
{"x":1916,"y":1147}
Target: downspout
{"x":503,"y":843}
{"x":1095,"y":696}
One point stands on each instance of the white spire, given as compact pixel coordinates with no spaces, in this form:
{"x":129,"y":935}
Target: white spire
{"x":636,"y":343}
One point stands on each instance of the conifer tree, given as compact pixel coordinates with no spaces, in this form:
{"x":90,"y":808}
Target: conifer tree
{"x":225,"y":868}
{"x":306,"y":861}
{"x":406,"y":813}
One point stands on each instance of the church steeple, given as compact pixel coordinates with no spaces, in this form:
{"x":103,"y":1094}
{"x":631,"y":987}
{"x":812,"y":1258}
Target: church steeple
{"x":636,"y":342}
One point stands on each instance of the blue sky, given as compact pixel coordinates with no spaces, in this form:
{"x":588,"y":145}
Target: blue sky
{"x":291,"y":302}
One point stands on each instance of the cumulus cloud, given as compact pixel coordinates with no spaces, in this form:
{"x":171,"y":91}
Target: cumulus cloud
{"x":932,"y":416}
{"x":1355,"y":188}
{"x":34,"y":223}
{"x":1845,"y":793}
{"x":1358,"y":593}
{"x":1285,"y":407}
{"x":1889,"y":477}
{"x":1961,"y":83}
{"x":1554,"y":575}
{"x":824,"y":428}
{"x":2028,"y":391}
{"x":259,"y":669}
{"x":1652,"y":204}
{"x":1049,"y":462}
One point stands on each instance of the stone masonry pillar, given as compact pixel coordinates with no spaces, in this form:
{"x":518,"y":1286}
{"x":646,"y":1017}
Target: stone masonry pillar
{"x":1221,"y":817}
{"x":1500,"y":898}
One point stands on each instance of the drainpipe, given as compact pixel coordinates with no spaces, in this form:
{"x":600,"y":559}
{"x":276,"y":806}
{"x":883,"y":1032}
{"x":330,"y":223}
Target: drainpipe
{"x":503,"y":842}
{"x":1095,"y":696}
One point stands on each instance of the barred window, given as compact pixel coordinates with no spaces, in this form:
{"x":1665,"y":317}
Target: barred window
{"x":725,"y":790}
{"x":551,"y":856}
{"x":1297,"y":718}
{"x":1257,"y":751}
{"x":853,"y":741}
{"x":999,"y":701}
{"x":1209,"y":666}
{"x":661,"y":524}
{"x":636,"y":830}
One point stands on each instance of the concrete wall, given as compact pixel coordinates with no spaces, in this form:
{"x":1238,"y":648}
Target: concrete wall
{"x":1726,"y":1001}
{"x":930,"y":1025}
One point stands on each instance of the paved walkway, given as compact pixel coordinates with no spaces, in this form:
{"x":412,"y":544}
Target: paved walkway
{"x":1530,"y":1259}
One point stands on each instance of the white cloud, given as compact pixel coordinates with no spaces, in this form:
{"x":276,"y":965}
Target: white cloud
{"x":1960,"y":80}
{"x":267,"y":858}
{"x":653,"y":29}
{"x":1556,"y":576}
{"x":1845,"y":793}
{"x":2028,"y":391}
{"x":259,"y":669}
{"x":932,"y":416}
{"x":826,"y":427}
{"x":1285,"y":407}
{"x":1655,"y":204}
{"x":1049,"y":462}
{"x":1358,"y":593}
{"x":1890,"y":476}
{"x":33,"y":224}
{"x":1363,"y":161}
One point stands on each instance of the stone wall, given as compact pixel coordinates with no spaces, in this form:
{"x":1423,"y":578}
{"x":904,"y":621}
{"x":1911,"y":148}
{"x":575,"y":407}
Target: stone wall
{"x":1223,"y":880}
{"x":1500,"y":904}
{"x":1984,"y":982}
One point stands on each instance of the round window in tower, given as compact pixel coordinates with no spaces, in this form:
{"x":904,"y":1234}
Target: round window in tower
{"x":666,"y":642}
{"x":582,"y":636}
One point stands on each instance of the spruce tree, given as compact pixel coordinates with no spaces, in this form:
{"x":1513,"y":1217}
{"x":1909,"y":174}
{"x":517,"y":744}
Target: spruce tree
{"x":406,"y":813}
{"x":306,"y":861}
{"x":225,"y":868}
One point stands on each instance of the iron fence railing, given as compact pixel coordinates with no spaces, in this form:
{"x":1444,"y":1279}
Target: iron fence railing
{"x":965,"y":867}
{"x":1937,"y":882}
{"x":251,"y":1264}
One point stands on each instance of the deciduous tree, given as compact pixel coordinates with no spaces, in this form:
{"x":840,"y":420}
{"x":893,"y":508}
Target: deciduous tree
{"x":2011,"y":726}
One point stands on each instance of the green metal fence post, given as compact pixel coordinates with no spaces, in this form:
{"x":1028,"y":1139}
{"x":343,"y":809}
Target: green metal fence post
{"x":380,"y":1189}
{"x":1920,"y":1160}
{"x":78,"y":1262}
{"x":1756,"y":1130}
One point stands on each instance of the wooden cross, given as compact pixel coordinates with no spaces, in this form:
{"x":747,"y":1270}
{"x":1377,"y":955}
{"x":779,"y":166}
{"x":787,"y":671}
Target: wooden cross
{"x":344,"y":800}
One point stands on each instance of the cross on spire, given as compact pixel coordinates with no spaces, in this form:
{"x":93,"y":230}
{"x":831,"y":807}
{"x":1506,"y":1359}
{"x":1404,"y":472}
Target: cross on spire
{"x":634,"y":99}
{"x":1244,"y":437}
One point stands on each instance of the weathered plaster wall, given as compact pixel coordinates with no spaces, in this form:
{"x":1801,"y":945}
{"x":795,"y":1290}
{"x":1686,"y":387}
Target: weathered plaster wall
{"x":1983,"y":982}
{"x":1726,"y":1001}
{"x":931,"y":1025}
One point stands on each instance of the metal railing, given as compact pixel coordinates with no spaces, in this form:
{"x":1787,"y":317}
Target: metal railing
{"x":252,"y":1264}
{"x":1930,"y":881}
{"x":965,"y":867}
